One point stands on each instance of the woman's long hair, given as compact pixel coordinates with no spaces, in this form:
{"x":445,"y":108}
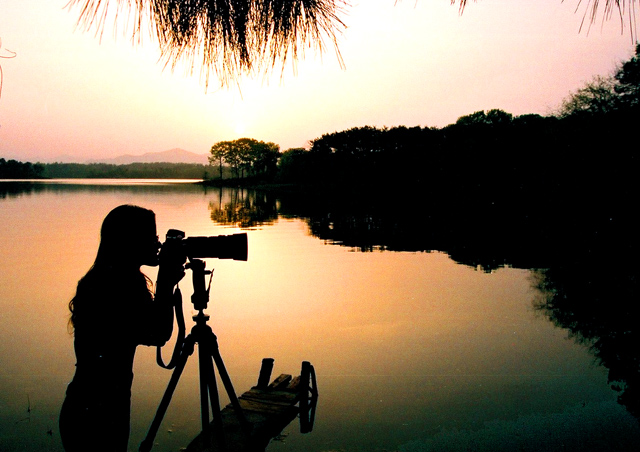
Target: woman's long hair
{"x":123,"y":230}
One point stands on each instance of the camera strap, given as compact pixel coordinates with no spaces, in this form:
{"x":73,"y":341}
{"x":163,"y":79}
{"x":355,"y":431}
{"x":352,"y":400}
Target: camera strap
{"x":177,"y":305}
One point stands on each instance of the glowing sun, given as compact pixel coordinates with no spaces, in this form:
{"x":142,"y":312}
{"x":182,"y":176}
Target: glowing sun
{"x":240,"y":128}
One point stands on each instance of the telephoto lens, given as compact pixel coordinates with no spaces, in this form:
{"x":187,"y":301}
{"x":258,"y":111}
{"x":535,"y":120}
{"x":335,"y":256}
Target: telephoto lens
{"x":218,"y":246}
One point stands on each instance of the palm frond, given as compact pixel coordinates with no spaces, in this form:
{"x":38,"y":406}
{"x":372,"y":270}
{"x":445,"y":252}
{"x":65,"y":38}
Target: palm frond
{"x":236,"y":37}
{"x":229,"y":37}
{"x":623,"y":9}
{"x":607,"y":9}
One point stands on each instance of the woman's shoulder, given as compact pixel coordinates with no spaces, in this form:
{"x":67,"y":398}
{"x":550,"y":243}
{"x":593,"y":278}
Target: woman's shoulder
{"x":108,"y":283}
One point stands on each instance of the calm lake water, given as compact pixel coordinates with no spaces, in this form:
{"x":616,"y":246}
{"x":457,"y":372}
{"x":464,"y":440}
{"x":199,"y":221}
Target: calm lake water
{"x":413,"y":350}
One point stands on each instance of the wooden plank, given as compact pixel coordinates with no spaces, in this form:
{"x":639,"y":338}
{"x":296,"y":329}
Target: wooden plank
{"x":261,"y":407}
{"x":280,"y":382}
{"x":274,"y":403}
{"x":286,"y":397}
{"x":268,"y":410}
{"x":257,"y":392}
{"x":294,"y":384}
{"x":267,"y":403}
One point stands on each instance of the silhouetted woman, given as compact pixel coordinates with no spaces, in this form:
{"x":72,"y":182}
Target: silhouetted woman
{"x":112,"y":313}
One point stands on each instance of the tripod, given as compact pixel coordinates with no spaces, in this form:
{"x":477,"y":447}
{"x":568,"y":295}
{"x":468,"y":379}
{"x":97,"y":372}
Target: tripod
{"x":208,"y":355}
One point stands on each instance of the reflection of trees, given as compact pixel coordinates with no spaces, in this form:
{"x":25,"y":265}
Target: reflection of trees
{"x":19,"y":188}
{"x":590,"y":280}
{"x":489,"y":244}
{"x":486,"y":234}
{"x":595,"y":301}
{"x":243,"y":208}
{"x":15,"y":189}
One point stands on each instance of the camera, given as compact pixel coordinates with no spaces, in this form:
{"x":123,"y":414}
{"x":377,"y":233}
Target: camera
{"x":220,"y":247}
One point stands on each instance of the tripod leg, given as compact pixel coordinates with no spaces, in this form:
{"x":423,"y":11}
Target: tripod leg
{"x":208,"y":385}
{"x":187,"y":350}
{"x":204,"y":378}
{"x":226,"y":381}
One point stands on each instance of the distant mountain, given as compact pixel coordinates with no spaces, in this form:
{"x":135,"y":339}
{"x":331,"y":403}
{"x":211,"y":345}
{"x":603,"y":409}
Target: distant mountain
{"x":176,"y":155}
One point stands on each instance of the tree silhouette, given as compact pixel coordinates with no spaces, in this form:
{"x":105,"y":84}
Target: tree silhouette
{"x":596,"y":97}
{"x":492,"y":117}
{"x":603,"y":95}
{"x":246,"y":155}
{"x":628,"y":78}
{"x":219,"y":151}
{"x":13,"y":169}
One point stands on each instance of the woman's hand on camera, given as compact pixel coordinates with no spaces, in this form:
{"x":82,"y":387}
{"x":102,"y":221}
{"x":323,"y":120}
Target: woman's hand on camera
{"x":170,"y":273}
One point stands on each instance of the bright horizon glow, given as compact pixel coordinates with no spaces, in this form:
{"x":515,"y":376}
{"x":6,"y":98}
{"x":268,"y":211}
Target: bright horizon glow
{"x":412,"y":63}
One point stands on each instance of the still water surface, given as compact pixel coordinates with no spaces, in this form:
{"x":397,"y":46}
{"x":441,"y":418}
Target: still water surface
{"x":412,"y":350}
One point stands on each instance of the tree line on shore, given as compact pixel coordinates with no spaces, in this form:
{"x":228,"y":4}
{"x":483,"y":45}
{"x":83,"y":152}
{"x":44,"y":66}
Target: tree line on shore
{"x":586,"y":142}
{"x":18,"y":170}
{"x":583,"y":150}
{"x":592,"y":127}
{"x":13,"y":169}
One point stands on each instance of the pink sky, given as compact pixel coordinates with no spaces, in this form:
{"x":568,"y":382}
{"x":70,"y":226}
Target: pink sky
{"x":416,"y":63}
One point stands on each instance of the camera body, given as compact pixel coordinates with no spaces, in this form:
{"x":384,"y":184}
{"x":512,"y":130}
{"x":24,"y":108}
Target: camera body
{"x":219,"y":247}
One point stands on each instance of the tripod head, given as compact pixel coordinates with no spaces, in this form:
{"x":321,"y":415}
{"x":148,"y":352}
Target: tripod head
{"x":200,"y":297}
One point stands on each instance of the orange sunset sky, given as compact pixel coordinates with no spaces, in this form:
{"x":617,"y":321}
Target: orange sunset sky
{"x":68,"y":93}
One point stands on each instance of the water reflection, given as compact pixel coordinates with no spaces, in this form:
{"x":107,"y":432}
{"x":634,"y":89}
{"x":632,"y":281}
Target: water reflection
{"x":595,"y":302}
{"x":243,"y":208}
{"x":375,"y":324}
{"x":579,"y":288}
{"x":18,"y":188}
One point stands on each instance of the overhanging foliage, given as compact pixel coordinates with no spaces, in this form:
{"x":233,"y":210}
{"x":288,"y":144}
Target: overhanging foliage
{"x":231,"y":37}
